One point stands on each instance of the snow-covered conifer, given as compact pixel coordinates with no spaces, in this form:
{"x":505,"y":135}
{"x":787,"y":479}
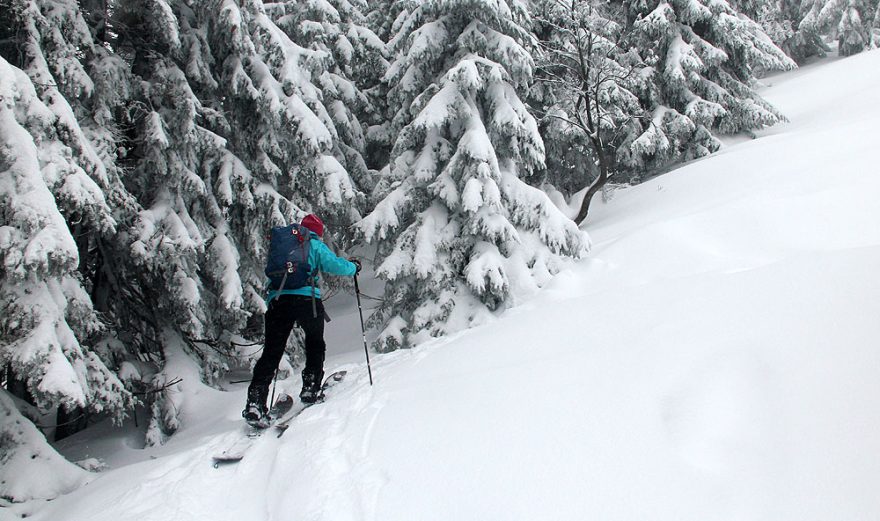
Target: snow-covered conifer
{"x":459,"y":232}
{"x":770,"y":15}
{"x":382,"y":14}
{"x":53,"y":180}
{"x":806,"y":39}
{"x":855,"y":29}
{"x":354,"y":62}
{"x":53,"y":186}
{"x":851,"y":22}
{"x":701,"y":58}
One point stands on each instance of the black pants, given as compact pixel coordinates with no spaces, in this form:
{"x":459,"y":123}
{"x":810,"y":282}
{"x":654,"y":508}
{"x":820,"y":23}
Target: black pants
{"x":283,"y":312}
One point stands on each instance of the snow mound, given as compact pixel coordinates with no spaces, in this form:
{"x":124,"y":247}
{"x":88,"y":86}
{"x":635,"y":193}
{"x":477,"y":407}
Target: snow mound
{"x":29,"y":467}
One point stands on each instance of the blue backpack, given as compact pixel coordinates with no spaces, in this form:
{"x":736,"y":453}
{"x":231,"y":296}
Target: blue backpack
{"x":287,"y":265}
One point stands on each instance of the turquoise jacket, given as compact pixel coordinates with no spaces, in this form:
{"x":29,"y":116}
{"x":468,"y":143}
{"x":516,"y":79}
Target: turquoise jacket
{"x":322,"y":260}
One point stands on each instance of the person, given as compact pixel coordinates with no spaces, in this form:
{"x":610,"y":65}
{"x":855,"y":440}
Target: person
{"x":302,"y":306}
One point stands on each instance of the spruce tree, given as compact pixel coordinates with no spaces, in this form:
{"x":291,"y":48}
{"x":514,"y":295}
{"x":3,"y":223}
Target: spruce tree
{"x":354,"y":62}
{"x":877,"y":26}
{"x":770,"y":15}
{"x":459,"y":232}
{"x":54,"y":197}
{"x":702,"y":58}
{"x":855,"y":31}
{"x":381,"y":15}
{"x":806,"y":40}
{"x":850,"y":22}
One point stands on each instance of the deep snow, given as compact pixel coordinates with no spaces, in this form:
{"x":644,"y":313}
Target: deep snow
{"x":717,"y":357}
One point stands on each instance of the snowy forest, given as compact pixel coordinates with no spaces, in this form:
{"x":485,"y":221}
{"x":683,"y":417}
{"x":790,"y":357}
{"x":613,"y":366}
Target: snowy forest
{"x":147,"y":147}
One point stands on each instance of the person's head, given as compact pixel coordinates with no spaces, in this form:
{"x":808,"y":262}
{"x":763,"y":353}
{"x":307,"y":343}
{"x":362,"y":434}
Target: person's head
{"x":314,"y":223}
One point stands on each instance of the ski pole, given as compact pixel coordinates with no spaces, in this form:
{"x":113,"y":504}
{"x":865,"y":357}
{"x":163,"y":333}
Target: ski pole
{"x":357,"y":292}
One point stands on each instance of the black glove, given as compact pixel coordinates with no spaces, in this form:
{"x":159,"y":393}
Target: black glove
{"x":357,"y":263}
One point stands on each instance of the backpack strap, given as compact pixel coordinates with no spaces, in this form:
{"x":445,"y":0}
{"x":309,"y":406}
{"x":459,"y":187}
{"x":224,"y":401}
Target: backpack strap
{"x":312,"y":278}
{"x":283,"y":281}
{"x":314,"y":286}
{"x":314,"y":305}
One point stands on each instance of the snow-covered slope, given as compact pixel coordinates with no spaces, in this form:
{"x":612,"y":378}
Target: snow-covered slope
{"x":717,"y":357}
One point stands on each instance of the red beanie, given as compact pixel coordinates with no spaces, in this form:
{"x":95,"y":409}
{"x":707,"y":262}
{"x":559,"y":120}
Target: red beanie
{"x":314,"y":223}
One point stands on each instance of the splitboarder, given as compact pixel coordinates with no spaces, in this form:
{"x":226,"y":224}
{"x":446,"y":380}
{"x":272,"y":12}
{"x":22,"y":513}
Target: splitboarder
{"x":295,"y":299}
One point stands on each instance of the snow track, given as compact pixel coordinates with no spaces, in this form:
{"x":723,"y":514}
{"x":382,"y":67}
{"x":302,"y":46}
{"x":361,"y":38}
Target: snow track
{"x":327,"y":449}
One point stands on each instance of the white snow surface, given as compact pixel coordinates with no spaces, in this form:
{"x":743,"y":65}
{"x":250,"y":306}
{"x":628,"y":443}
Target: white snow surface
{"x":715,"y":357}
{"x":30,"y":467}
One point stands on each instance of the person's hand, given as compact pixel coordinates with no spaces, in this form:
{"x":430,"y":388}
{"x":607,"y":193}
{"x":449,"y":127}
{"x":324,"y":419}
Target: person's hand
{"x":357,"y":264}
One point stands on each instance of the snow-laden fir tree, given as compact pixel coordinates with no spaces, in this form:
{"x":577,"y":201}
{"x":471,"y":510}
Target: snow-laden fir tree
{"x":877,"y":26}
{"x":384,"y":17}
{"x":52,"y":182}
{"x":855,"y":31}
{"x":850,"y":22}
{"x":354,"y":63}
{"x":771,"y":15}
{"x":236,"y":139}
{"x":458,"y":230}
{"x":805,"y":40}
{"x":382,"y":14}
{"x":701,"y":59}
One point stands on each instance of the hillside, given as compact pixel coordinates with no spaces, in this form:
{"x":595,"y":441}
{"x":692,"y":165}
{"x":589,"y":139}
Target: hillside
{"x":714,"y":358}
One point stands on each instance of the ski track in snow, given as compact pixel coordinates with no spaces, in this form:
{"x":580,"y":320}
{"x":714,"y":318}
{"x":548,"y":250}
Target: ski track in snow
{"x":328,"y":446}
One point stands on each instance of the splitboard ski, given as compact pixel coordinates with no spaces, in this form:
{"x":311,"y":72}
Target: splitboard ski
{"x":280,"y":415}
{"x":284,"y":423}
{"x":251,"y":431}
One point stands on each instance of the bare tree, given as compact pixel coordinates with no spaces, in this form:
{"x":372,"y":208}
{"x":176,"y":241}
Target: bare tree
{"x":591,"y":80}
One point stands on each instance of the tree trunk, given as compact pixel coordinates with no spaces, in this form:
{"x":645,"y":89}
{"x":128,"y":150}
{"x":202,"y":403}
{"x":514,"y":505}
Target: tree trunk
{"x":16,"y":387}
{"x":595,"y":187}
{"x":12,"y":41}
{"x":69,"y":422}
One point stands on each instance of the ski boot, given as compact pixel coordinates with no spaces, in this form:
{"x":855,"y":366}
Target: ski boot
{"x":254,"y":412}
{"x":311,"y":391}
